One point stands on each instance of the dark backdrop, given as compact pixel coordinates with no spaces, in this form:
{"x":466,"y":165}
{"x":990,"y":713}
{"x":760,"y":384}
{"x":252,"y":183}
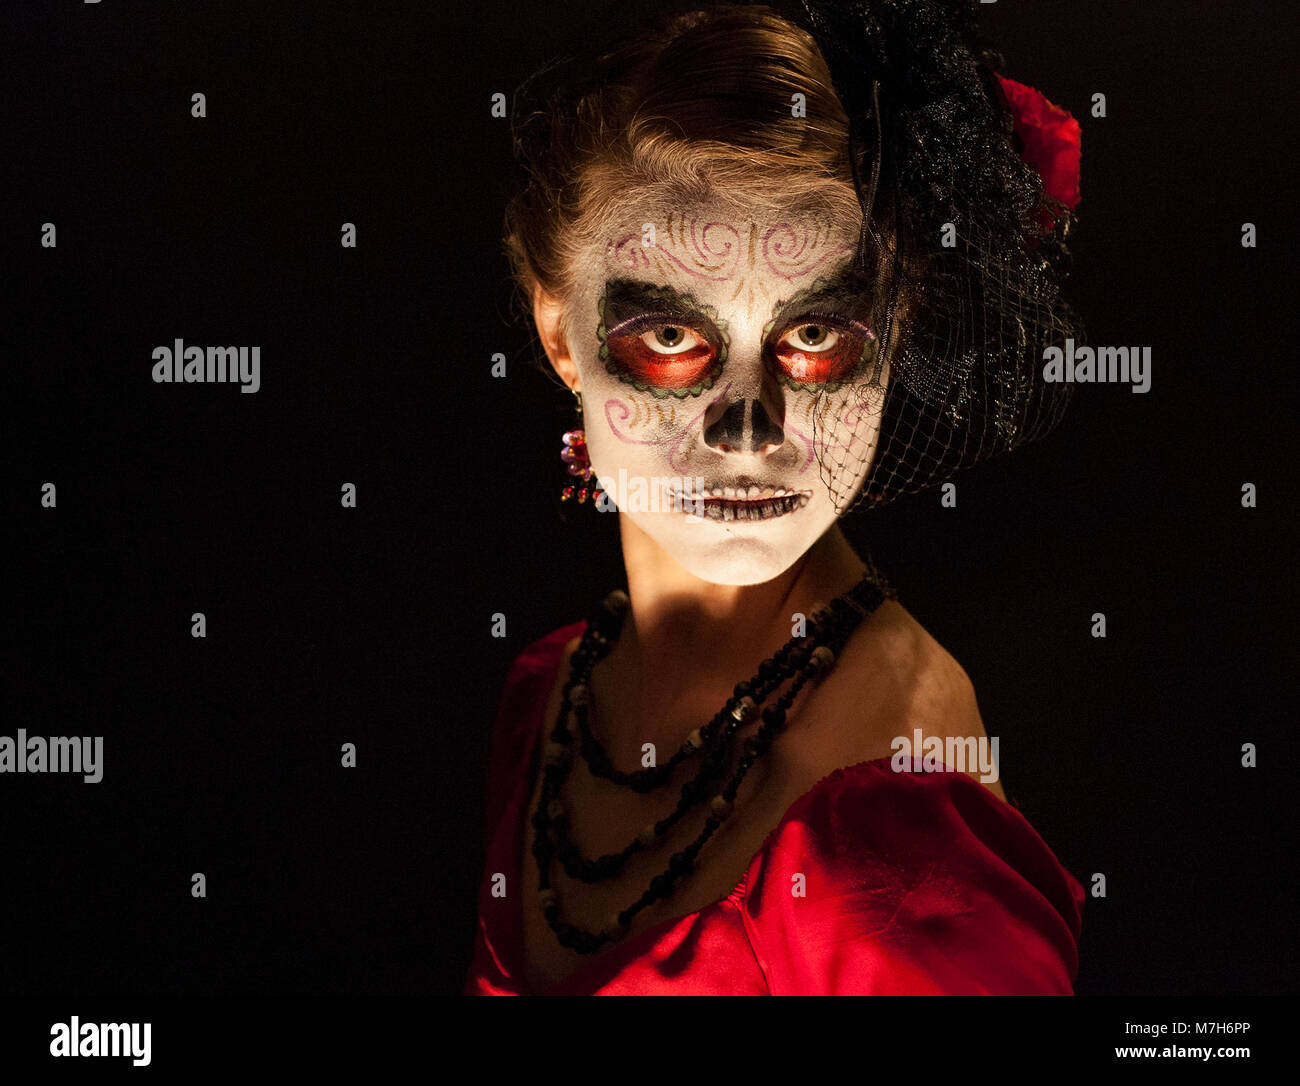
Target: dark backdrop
{"x":372,"y":625}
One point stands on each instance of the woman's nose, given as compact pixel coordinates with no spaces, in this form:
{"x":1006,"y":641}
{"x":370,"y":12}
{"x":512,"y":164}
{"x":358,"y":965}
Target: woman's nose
{"x":745,"y":427}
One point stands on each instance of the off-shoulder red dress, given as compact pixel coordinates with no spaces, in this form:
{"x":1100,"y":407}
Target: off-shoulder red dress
{"x":914,"y":883}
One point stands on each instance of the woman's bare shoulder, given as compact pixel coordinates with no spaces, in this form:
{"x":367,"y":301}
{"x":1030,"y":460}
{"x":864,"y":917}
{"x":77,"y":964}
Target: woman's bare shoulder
{"x":892,"y":678}
{"x":894,"y":657}
{"x":942,"y":695}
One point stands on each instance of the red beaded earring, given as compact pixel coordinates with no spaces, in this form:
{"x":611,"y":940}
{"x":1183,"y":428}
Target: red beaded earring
{"x":574,"y":455}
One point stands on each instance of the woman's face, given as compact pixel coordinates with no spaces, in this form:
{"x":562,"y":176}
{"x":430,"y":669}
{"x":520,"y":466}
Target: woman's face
{"x":718,"y":355}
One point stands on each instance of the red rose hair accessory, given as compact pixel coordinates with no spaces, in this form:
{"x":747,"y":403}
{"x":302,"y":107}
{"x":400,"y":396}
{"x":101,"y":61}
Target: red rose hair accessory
{"x":1052,"y":142}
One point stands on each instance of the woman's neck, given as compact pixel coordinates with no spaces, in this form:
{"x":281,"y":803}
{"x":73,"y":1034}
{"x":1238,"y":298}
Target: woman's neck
{"x":687,"y":641}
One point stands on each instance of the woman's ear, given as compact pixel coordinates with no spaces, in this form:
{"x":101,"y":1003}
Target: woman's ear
{"x":547,"y":314}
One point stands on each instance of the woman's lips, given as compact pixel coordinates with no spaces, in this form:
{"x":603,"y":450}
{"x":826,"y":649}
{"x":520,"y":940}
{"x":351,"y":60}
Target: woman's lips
{"x":740,"y":503}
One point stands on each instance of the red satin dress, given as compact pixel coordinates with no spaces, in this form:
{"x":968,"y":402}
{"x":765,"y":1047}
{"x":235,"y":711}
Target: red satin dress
{"x":913,"y":883}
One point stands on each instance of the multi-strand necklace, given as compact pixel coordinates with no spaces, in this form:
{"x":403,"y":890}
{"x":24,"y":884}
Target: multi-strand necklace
{"x":802,"y":658}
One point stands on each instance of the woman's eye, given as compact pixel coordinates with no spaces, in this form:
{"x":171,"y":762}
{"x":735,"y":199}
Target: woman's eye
{"x":670,"y":339}
{"x":820,"y":352}
{"x":663,"y":354}
{"x":814,"y":337}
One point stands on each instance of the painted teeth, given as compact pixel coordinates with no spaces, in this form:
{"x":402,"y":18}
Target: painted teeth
{"x":746,"y":503}
{"x":746,"y":494}
{"x":778,"y":505}
{"x":752,"y":494}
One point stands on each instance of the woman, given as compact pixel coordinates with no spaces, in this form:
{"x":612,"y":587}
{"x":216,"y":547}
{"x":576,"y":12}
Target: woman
{"x":786,"y":270}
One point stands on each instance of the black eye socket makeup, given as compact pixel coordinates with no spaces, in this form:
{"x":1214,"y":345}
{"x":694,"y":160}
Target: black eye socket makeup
{"x":627,"y":299}
{"x":824,"y":336}
{"x":660,"y":340}
{"x":666,"y":342}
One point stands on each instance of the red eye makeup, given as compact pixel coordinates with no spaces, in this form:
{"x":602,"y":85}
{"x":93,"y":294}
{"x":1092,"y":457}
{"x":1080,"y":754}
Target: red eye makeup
{"x":651,"y":350}
{"x":666,"y":342}
{"x":818,"y":349}
{"x":660,"y":340}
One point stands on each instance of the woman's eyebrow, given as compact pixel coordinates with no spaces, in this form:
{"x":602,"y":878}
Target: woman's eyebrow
{"x":627,"y":295}
{"x":849,"y":291}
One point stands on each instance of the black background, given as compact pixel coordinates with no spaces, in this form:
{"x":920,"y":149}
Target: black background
{"x":372,"y":625}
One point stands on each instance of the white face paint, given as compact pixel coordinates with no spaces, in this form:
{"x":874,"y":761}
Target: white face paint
{"x":702,"y":339}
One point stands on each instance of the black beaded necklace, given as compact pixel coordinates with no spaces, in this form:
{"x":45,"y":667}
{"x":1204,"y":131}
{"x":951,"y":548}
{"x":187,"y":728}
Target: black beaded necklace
{"x":800,"y":659}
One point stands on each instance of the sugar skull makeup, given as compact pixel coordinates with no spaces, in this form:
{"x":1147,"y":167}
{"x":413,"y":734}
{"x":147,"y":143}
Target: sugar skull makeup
{"x":725,"y":361}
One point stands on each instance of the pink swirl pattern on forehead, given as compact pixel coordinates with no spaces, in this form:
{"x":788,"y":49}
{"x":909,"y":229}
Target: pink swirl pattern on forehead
{"x":700,"y":242}
{"x":628,"y":257}
{"x":790,"y":249}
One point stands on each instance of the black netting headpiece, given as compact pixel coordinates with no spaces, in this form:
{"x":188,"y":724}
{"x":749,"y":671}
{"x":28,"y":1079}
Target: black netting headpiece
{"x":966,"y":240}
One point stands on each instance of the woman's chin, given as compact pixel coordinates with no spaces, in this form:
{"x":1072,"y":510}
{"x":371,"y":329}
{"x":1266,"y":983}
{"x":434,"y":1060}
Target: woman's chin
{"x":731,"y":556}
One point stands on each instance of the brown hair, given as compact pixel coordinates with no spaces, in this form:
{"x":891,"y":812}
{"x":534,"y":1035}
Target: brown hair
{"x":700,"y":109}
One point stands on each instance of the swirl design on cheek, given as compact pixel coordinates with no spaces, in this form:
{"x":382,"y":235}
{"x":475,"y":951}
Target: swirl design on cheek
{"x":790,"y":428}
{"x":851,"y":417}
{"x":613,"y":406}
{"x":625,"y":412}
{"x":788,"y":254}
